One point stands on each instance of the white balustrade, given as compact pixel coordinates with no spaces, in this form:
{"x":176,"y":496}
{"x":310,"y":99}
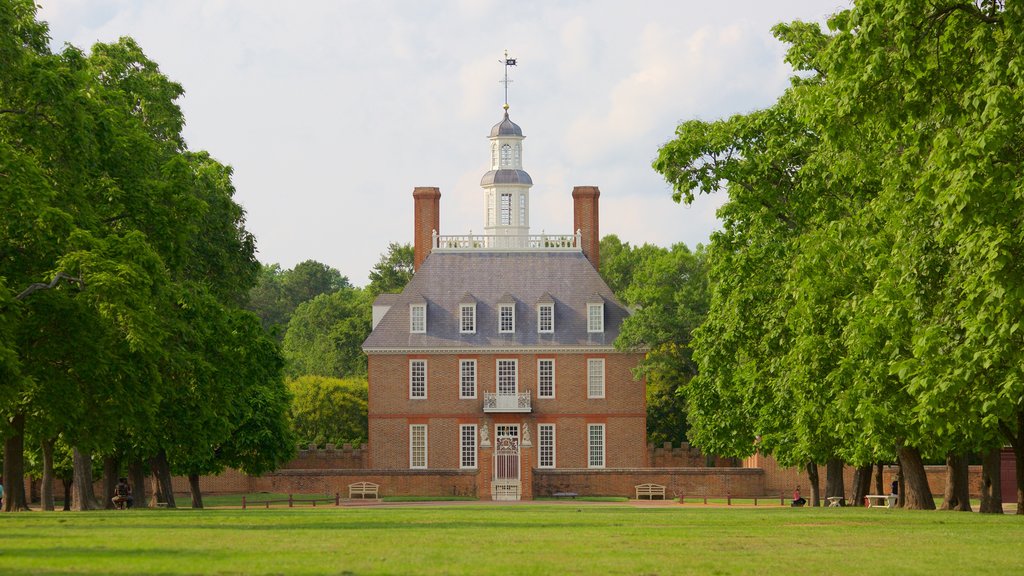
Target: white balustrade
{"x":546,"y":242}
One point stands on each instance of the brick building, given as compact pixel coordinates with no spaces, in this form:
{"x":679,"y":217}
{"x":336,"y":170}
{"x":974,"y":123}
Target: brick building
{"x":497,"y":362}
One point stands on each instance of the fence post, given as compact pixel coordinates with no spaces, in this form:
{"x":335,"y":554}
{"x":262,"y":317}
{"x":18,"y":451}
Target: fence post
{"x":728,"y":499}
{"x":289,"y":500}
{"x":243,"y":502}
{"x":755,"y":501}
{"x":337,"y":499}
{"x":705,"y":499}
{"x":782,"y":499}
{"x":682,"y":498}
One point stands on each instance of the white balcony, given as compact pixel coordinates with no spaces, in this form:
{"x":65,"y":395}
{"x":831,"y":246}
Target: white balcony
{"x":517,"y":402}
{"x":526,"y":242}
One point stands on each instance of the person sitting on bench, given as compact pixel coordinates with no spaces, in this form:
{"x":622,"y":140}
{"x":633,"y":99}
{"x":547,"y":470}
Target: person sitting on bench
{"x":122,"y":494}
{"x":798,"y":500}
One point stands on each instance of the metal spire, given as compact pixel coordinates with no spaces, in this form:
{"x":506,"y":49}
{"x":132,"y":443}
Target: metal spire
{"x":507,"y":62}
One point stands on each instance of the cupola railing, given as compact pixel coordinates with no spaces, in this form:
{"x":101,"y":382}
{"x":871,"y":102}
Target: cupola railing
{"x":469,"y":242}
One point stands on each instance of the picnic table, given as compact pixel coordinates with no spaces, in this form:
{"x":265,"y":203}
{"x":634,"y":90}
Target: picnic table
{"x":880,"y":500}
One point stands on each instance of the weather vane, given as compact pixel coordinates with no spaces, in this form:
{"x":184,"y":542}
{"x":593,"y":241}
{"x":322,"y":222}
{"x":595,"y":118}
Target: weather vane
{"x":507,"y":62}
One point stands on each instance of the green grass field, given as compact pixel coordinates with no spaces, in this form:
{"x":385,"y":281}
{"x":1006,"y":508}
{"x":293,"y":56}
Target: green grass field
{"x":565,"y":538}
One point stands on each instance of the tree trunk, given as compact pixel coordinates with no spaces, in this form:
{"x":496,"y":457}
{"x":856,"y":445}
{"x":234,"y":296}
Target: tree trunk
{"x":162,"y":473}
{"x":861,"y":484}
{"x":991,"y":484}
{"x":82,"y":496}
{"x":1016,"y":439}
{"x":193,"y":486}
{"x":834,"y":485}
{"x":68,"y":482}
{"x":914,"y":491}
{"x":137,"y":480}
{"x":812,"y":478}
{"x":957,"y":495}
{"x":879,"y":480}
{"x":14,"y":466}
{"x":46,"y":490}
{"x":111,"y":468}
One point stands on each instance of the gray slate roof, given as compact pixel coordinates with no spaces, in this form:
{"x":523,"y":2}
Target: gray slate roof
{"x":506,"y":128}
{"x":444,"y":279}
{"x":506,"y":176}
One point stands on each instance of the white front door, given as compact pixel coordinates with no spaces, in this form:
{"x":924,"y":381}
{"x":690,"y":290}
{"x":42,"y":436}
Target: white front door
{"x":506,"y":482}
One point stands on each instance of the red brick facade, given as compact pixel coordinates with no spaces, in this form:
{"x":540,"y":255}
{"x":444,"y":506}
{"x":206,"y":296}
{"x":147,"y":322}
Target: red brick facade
{"x":585,"y":218}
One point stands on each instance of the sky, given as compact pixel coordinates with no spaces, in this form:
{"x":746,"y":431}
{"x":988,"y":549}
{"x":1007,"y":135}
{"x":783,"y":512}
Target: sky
{"x":331,"y":112}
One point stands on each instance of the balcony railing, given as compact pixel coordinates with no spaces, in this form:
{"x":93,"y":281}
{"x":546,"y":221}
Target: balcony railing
{"x":518,"y":402}
{"x":468,"y":242}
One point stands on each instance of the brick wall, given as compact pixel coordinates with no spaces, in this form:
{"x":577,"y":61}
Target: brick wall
{"x":391,"y":411}
{"x":779,"y":480}
{"x":586,"y":218}
{"x":331,"y":481}
{"x":688,"y":482}
{"x":685,"y":456}
{"x":346,"y":458}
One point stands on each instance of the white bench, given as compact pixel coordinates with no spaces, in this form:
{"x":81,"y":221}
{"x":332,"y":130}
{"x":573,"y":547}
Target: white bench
{"x":650,"y":491}
{"x":883,"y":500}
{"x":363,"y":490}
{"x":834,"y":501}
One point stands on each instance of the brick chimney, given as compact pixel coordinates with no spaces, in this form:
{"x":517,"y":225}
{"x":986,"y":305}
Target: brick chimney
{"x":585,"y":219}
{"x":427,"y":220}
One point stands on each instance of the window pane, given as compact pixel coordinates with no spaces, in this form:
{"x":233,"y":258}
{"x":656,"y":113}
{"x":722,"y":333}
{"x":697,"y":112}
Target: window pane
{"x":468,"y":446}
{"x":467,"y":378}
{"x":418,"y":318}
{"x":546,"y":454}
{"x":418,"y":379}
{"x":418,"y":446}
{"x":467,"y":322}
{"x":506,"y":318}
{"x":595,"y":318}
{"x":546,"y":318}
{"x":546,"y":378}
{"x":506,"y":376}
{"x":595,"y":378}
{"x":596,"y":446}
{"x":506,"y":209}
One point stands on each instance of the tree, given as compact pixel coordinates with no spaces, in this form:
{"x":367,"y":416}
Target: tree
{"x":668,"y":289}
{"x":393,"y":271}
{"x":329,"y":410}
{"x":325,"y":335}
{"x":278,"y":293}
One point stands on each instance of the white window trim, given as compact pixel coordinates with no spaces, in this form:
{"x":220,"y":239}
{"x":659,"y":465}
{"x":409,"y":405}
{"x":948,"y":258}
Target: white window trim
{"x":552,"y":360}
{"x":425,"y":373}
{"x":462,"y":447}
{"x":475,"y":377}
{"x":497,"y":374}
{"x":511,"y":307}
{"x":554,"y":443}
{"x":540,"y":329}
{"x":590,"y":376}
{"x":592,"y":327}
{"x":590,"y":446}
{"x":412,"y":318}
{"x":462,"y":309}
{"x":426,"y":445}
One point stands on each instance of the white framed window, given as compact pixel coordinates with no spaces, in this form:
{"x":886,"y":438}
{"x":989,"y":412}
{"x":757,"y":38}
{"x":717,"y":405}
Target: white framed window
{"x":467,"y":318}
{"x":546,"y":378}
{"x":505,"y":209}
{"x":522,"y":209}
{"x":417,"y":446}
{"x":545,"y":318}
{"x":595,"y":317}
{"x":490,"y":209}
{"x":417,"y":379}
{"x":494,"y":156}
{"x":467,"y":446}
{"x":506,"y":155}
{"x":418,"y":318}
{"x":508,"y":376}
{"x":506,"y":318}
{"x":595,"y":377}
{"x":467,"y":378}
{"x":546,"y":446}
{"x":595,"y":446}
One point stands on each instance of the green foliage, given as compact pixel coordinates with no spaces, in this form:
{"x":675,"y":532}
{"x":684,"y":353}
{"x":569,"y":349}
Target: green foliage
{"x":668,"y":290}
{"x":325,"y":335}
{"x":278,"y":293}
{"x":393,"y":271}
{"x":865,"y":292}
{"x":329,"y":410}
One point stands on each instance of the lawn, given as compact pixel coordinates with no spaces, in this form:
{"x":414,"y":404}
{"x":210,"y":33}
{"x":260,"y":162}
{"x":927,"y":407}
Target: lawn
{"x":565,"y":538}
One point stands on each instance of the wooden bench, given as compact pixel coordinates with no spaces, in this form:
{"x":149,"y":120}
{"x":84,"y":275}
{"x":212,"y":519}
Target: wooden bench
{"x":650,"y":491}
{"x":883,"y":500}
{"x":363,"y":490}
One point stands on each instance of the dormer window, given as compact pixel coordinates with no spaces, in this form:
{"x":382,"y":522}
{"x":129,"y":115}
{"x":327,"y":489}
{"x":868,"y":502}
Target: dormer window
{"x":467,"y":318}
{"x":595,"y":317}
{"x":545,"y":318}
{"x":418,"y":318}
{"x":506,"y":318}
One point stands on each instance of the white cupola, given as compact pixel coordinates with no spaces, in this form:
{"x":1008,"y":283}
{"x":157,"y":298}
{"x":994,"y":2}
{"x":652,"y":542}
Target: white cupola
{"x":506,"y":185}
